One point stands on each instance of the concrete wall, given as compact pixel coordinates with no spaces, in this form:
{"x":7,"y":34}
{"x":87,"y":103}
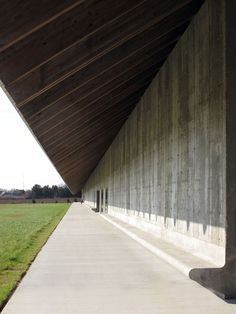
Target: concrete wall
{"x":165,"y":171}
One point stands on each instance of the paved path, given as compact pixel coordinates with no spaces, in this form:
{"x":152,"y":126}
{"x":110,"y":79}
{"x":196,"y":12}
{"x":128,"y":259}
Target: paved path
{"x":89,"y":266}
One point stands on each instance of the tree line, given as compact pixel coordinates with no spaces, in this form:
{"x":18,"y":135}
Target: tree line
{"x":47,"y":191}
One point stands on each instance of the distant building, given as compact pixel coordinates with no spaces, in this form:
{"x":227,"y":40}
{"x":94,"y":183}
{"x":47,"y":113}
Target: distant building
{"x":13,"y":194}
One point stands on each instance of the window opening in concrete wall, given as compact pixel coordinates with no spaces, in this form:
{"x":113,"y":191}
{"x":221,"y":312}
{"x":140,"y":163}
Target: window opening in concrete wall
{"x":98,"y":200}
{"x":102,"y":200}
{"x":106,"y":200}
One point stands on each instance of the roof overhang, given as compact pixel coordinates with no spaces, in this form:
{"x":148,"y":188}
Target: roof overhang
{"x":76,"y":69}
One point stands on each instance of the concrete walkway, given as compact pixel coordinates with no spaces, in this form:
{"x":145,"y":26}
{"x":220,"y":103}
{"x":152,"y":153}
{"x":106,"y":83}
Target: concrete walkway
{"x":88,"y":266}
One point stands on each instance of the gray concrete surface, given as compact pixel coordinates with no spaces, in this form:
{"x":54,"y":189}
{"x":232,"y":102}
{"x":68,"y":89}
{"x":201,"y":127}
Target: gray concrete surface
{"x":181,"y":260}
{"x":172,"y":166}
{"x":168,"y":162}
{"x":88,"y":266}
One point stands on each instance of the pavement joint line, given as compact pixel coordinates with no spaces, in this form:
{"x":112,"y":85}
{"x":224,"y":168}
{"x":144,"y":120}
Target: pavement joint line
{"x":181,"y":267}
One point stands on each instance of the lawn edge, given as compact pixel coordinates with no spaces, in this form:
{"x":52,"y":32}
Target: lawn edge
{"x":31,"y":262}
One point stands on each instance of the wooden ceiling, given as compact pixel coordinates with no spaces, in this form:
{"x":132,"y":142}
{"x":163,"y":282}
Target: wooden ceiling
{"x":76,"y":69}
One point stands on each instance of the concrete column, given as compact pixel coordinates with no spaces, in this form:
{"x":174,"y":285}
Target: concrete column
{"x":223,"y":281}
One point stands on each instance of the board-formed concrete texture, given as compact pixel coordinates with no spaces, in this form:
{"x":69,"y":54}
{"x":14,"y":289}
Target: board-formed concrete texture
{"x":168,"y":165}
{"x":134,"y":103}
{"x":88,"y":266}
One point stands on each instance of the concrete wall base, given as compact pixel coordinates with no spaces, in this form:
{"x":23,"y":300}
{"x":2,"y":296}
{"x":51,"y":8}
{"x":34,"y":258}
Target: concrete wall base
{"x":204,"y":250}
{"x":221,"y":281}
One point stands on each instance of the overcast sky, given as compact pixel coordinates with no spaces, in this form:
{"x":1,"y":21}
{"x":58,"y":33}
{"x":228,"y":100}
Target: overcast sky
{"x":22,"y":161}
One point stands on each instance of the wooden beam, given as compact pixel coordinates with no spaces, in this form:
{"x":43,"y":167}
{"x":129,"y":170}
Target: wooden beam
{"x":81,"y":129}
{"x":116,"y":56}
{"x":100,"y":85}
{"x":93,"y":98}
{"x":80,"y":145}
{"x":19,"y":19}
{"x":97,"y":106}
{"x":68,"y":29}
{"x":90,"y":80}
{"x":81,"y":139}
{"x":93,"y":159}
{"x":94,"y":147}
{"x":97,"y":45}
{"x":77,"y":141}
{"x":85,"y":168}
{"x":68,"y":165}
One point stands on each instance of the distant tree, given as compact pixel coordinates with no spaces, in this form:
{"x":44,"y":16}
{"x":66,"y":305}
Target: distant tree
{"x":47,"y":192}
{"x":54,"y":191}
{"x":37,"y":191}
{"x":50,"y":192}
{"x":63,"y":191}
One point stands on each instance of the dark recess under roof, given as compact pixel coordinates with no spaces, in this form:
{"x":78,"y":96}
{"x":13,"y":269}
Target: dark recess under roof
{"x":76,"y":69}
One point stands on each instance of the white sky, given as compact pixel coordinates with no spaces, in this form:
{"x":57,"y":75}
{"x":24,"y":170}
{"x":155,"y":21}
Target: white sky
{"x":22,"y":161}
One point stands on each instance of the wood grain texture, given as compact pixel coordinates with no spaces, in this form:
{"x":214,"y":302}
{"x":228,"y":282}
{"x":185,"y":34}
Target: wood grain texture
{"x":76,"y":69}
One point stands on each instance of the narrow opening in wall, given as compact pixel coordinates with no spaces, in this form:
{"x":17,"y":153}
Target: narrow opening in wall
{"x":98,"y":200}
{"x":102,"y":201}
{"x":106,"y":200}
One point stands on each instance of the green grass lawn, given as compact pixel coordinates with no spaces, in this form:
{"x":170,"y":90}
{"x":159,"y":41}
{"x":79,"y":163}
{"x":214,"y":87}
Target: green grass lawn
{"x":24,"y":228}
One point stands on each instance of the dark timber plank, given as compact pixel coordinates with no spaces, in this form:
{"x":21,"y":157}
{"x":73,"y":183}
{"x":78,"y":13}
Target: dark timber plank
{"x":80,"y":156}
{"x":42,"y":110}
{"x":88,"y":131}
{"x":99,"y":85}
{"x":84,"y":155}
{"x":74,"y":132}
{"x":115,"y":56}
{"x":18,"y":19}
{"x":95,"y":95}
{"x":96,"y":45}
{"x":60,"y":34}
{"x":81,"y":146}
{"x":86,"y":167}
{"x":69,"y":163}
{"x":69,"y":29}
{"x":109,"y":100}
